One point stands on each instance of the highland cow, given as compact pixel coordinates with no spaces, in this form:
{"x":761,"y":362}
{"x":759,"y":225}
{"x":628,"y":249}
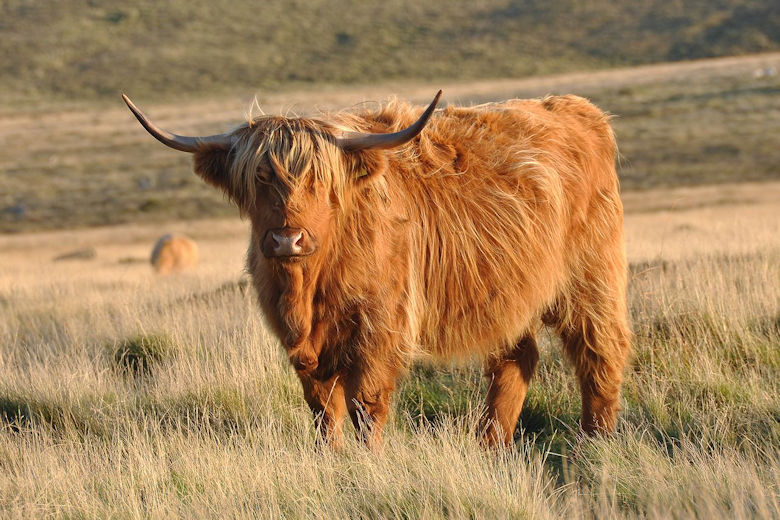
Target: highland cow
{"x":173,"y":253}
{"x":374,"y":241}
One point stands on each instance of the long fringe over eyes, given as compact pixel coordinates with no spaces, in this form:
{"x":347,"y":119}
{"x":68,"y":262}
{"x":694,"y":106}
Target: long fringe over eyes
{"x":295,"y":152}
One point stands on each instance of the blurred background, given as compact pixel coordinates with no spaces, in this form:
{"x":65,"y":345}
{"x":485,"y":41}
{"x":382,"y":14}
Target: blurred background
{"x":72,"y":156}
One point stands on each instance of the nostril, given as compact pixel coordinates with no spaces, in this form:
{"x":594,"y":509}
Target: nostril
{"x":287,"y":242}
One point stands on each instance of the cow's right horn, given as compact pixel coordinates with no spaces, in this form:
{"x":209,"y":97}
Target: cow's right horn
{"x":177,"y":142}
{"x":355,"y":141}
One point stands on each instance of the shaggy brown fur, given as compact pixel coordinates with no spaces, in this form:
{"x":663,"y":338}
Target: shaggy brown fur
{"x":173,"y":253}
{"x":460,"y":243}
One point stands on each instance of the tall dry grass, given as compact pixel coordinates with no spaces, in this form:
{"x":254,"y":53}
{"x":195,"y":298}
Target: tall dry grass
{"x":126,"y":395}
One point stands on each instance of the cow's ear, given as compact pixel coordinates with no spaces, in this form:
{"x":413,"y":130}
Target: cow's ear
{"x":211,"y":163}
{"x":366,"y":165}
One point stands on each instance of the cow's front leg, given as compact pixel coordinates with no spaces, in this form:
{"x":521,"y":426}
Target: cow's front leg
{"x":326,"y":400}
{"x":368,"y":400}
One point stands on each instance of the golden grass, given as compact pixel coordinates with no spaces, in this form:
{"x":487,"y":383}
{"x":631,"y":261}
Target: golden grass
{"x":216,"y":426}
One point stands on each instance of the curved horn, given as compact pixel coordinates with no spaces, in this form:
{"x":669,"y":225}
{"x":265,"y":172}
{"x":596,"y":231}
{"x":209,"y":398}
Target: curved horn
{"x":354,"y":141}
{"x":177,"y":142}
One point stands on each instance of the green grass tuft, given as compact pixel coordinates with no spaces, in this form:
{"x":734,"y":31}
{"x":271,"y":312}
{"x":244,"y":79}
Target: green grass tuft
{"x":139,"y":354}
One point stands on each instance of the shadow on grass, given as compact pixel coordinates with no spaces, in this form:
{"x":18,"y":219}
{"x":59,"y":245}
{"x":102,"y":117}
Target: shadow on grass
{"x":86,"y":415}
{"x":134,"y":361}
{"x":433,"y":396}
{"x":239,"y":287}
{"x":223,"y":411}
{"x":18,"y":412}
{"x":430,"y":395}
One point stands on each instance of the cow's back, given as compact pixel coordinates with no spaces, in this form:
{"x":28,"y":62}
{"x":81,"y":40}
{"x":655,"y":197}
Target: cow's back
{"x":502,"y":202}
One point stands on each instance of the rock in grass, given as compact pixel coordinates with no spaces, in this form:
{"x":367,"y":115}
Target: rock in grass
{"x":87,"y":253}
{"x":173,"y":253}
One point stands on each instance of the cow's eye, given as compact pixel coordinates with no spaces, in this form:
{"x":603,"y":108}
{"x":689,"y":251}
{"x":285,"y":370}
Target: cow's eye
{"x":264,"y":174}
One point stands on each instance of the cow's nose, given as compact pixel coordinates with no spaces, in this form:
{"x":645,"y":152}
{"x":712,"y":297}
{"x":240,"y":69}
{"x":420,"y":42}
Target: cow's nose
{"x":287,"y":241}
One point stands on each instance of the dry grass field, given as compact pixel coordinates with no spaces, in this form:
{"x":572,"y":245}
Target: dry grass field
{"x":123,"y":394}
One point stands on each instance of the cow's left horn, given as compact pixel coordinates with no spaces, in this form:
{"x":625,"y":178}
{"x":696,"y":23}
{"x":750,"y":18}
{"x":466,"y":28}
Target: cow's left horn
{"x":354,"y":141}
{"x":177,"y":142}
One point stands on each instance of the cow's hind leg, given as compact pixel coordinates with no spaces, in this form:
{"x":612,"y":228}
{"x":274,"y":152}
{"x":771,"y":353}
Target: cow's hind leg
{"x":327,"y":403}
{"x":600,"y":373}
{"x":596,"y":338}
{"x":508,"y":377}
{"x":590,"y":315}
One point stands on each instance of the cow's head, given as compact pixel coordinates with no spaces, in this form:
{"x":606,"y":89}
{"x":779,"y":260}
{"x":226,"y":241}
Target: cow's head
{"x":293,"y":177}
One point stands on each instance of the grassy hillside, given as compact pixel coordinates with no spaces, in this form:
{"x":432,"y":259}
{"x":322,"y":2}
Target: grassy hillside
{"x":76,"y":49}
{"x":682,"y":124}
{"x":123,"y":394}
